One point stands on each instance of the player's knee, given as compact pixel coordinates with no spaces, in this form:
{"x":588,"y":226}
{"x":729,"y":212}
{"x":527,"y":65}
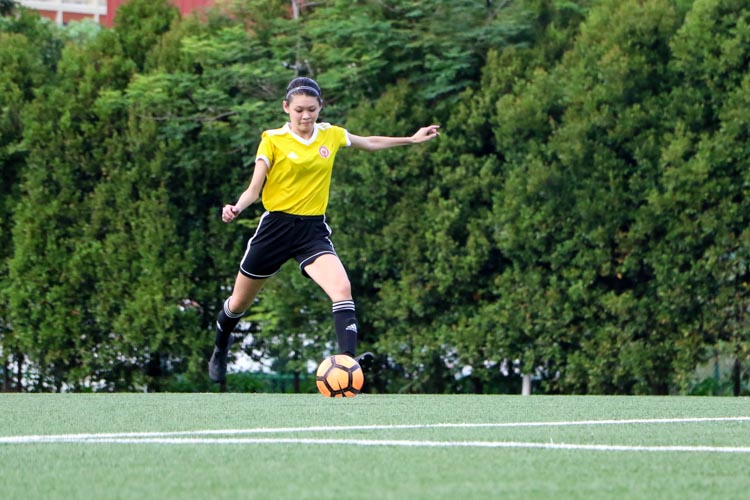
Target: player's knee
{"x":244,"y":293}
{"x":237,"y":305}
{"x":342,"y":290}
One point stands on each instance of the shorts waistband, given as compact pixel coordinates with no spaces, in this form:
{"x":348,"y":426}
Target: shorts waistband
{"x":285,"y":215}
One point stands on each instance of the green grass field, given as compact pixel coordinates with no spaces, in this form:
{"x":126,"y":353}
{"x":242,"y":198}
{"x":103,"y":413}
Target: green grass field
{"x":374,"y":446}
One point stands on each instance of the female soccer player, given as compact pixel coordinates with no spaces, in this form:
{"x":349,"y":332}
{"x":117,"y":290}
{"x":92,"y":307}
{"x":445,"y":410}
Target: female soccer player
{"x":295,"y":163}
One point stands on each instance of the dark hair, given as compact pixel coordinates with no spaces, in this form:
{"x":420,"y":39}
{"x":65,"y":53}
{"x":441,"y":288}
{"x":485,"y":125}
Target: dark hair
{"x":305,"y":86}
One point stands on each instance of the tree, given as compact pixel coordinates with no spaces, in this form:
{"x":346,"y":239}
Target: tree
{"x":437,"y":46}
{"x":7,"y":6}
{"x":140,"y":24}
{"x":28,"y":53}
{"x":696,"y":212}
{"x":588,"y":147}
{"x":53,"y":269}
{"x":419,"y":227}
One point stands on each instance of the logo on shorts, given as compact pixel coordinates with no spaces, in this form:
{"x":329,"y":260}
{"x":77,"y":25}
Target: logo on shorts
{"x":324,"y":152}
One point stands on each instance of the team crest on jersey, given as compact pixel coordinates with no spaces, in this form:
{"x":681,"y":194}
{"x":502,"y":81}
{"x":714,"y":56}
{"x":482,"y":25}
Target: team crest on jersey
{"x":324,"y":152}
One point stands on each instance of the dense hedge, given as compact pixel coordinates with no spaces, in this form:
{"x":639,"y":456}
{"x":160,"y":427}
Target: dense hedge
{"x":583,"y":216}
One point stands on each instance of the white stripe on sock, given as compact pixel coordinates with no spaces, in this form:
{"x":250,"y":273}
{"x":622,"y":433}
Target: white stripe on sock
{"x":228,"y":311}
{"x":344,"y":305}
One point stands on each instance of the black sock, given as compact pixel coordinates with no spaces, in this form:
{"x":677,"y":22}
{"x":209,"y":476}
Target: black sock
{"x":345,"y":324}
{"x":225,"y":323}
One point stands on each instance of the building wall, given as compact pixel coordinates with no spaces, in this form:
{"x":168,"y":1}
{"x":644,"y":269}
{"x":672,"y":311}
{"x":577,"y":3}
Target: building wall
{"x":64,"y":17}
{"x":185,"y":6}
{"x":62,"y":11}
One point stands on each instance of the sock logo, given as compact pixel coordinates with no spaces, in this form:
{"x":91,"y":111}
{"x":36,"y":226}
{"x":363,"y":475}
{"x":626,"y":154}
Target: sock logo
{"x":352,"y":328}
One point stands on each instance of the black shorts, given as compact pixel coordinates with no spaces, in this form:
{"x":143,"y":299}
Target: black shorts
{"x":280,"y":237}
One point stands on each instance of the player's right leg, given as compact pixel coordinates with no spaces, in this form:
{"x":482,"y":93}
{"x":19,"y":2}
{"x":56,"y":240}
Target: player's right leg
{"x":265,"y":253}
{"x":244,"y":293}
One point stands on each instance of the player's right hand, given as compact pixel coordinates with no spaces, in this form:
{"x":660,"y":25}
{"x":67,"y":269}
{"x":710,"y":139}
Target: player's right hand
{"x":229,"y":213}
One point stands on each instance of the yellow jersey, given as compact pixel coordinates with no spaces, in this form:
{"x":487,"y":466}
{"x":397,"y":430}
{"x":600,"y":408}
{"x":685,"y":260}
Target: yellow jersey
{"x":299,"y":175}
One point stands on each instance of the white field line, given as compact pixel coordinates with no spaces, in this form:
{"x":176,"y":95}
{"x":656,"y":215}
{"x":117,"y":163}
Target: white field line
{"x":414,"y":444}
{"x":290,"y":430}
{"x":174,"y":437}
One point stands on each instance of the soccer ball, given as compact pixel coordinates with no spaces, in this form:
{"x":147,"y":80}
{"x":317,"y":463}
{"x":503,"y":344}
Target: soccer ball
{"x":339,"y":376}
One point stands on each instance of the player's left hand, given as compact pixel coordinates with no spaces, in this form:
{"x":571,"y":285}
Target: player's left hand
{"x":425,"y":134}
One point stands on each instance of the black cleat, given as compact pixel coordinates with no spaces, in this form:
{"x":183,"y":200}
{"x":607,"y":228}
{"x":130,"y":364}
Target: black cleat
{"x":217,"y":365}
{"x":365,"y":360}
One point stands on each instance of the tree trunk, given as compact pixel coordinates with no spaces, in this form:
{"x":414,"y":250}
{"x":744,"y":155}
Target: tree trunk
{"x":6,"y":376}
{"x":737,"y":376}
{"x":477,"y":385}
{"x":19,"y":361}
{"x":526,"y":385}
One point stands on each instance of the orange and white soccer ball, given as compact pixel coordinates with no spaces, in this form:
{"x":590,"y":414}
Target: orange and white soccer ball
{"x":339,"y":376}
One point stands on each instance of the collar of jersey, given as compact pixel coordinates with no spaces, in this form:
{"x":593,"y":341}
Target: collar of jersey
{"x":304,"y":141}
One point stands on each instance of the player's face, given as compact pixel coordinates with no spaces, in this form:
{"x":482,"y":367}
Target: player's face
{"x":303,"y":112}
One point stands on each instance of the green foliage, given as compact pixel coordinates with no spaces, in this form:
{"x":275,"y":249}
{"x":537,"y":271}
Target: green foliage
{"x":81,"y":32}
{"x":7,"y":7}
{"x":139,"y":25}
{"x":697,"y":206}
{"x":53,"y":271}
{"x":436,"y":46}
{"x":29,"y":50}
{"x":45,"y":35}
{"x":577,"y":194}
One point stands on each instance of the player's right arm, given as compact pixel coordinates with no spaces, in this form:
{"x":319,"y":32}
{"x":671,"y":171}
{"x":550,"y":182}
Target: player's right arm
{"x":250,"y":195}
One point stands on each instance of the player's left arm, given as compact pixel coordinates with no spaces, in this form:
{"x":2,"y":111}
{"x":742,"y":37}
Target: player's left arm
{"x":377,"y":142}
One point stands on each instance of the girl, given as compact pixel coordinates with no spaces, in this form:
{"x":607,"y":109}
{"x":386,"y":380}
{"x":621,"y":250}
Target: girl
{"x":295,"y":163}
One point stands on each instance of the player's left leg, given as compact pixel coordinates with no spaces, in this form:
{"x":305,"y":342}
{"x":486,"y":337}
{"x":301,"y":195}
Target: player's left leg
{"x":329,"y":273}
